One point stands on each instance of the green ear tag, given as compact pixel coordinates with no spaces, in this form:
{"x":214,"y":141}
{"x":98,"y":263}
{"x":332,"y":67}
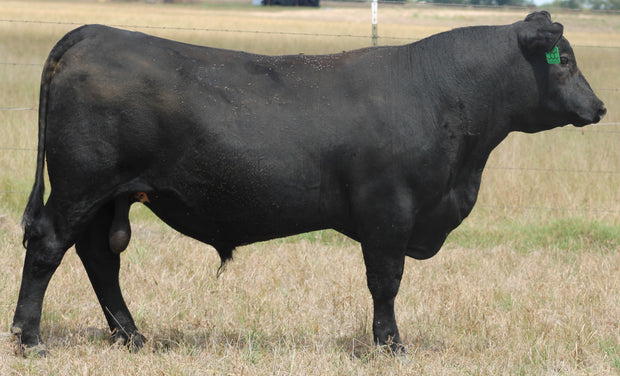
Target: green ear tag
{"x":553,"y":56}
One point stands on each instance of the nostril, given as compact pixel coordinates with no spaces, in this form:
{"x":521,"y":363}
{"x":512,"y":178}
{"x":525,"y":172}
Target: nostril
{"x":602,"y":111}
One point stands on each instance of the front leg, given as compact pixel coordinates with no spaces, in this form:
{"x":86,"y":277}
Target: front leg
{"x":384,"y":270}
{"x":385,"y":221}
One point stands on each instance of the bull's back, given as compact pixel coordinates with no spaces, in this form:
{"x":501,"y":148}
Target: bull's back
{"x":151,"y":87}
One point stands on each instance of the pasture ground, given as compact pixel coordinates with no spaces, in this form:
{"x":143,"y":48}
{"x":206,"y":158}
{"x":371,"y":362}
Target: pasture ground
{"x":528,"y":285}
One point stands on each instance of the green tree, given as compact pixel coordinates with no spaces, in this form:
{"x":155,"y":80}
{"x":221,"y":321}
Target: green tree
{"x":486,"y":2}
{"x":605,"y":4}
{"x":571,"y":4}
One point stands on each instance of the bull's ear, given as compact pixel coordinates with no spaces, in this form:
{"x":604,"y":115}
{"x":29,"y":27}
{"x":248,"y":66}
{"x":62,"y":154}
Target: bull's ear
{"x":538,"y":33}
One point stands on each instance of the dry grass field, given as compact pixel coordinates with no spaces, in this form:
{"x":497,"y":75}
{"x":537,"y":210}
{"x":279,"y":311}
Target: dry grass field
{"x":528,"y":285}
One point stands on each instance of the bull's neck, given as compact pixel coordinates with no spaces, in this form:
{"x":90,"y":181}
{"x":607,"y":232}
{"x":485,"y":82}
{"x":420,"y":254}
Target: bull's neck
{"x":471,"y":78}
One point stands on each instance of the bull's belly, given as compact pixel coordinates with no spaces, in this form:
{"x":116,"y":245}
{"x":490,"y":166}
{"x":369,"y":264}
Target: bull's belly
{"x":221,"y":222}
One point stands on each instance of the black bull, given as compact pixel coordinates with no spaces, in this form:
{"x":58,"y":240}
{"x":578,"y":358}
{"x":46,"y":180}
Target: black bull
{"x":386,"y":145}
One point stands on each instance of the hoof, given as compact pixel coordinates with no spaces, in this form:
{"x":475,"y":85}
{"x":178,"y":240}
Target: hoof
{"x":134,"y":343}
{"x":38,"y":350}
{"x":395,"y":349}
{"x":392,"y":347}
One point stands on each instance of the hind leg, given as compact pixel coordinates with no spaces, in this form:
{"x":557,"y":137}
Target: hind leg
{"x":50,"y":239}
{"x":102,"y":266}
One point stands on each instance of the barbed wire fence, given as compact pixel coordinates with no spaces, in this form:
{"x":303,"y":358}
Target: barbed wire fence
{"x":374,"y":36}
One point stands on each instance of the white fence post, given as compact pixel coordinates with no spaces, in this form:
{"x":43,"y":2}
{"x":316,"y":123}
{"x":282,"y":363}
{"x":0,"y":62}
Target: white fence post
{"x":374,"y":9}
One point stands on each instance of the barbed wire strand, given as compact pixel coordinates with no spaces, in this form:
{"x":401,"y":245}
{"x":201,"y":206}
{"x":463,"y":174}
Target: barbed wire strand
{"x":17,"y":148}
{"x":185,"y":28}
{"x":554,"y":170}
{"x":546,"y":208}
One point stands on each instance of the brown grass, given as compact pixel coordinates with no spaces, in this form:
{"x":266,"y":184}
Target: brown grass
{"x":300,"y":306}
{"x":514,"y":291}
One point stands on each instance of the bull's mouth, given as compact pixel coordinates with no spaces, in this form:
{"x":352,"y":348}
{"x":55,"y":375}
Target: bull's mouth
{"x":583,"y":122}
{"x":593,"y":119}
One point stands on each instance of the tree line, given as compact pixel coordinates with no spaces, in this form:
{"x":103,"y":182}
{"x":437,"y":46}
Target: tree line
{"x":572,"y":4}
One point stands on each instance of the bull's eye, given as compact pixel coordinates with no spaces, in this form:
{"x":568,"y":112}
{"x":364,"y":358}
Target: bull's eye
{"x":564,"y":60}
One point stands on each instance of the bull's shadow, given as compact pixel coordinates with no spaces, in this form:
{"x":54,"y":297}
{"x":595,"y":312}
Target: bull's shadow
{"x":357,"y":346}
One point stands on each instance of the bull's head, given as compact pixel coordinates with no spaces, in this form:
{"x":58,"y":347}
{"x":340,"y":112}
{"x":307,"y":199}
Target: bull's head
{"x":564,"y":95}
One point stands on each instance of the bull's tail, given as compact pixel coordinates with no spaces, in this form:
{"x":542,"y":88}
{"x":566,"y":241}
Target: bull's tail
{"x":35,"y":201}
